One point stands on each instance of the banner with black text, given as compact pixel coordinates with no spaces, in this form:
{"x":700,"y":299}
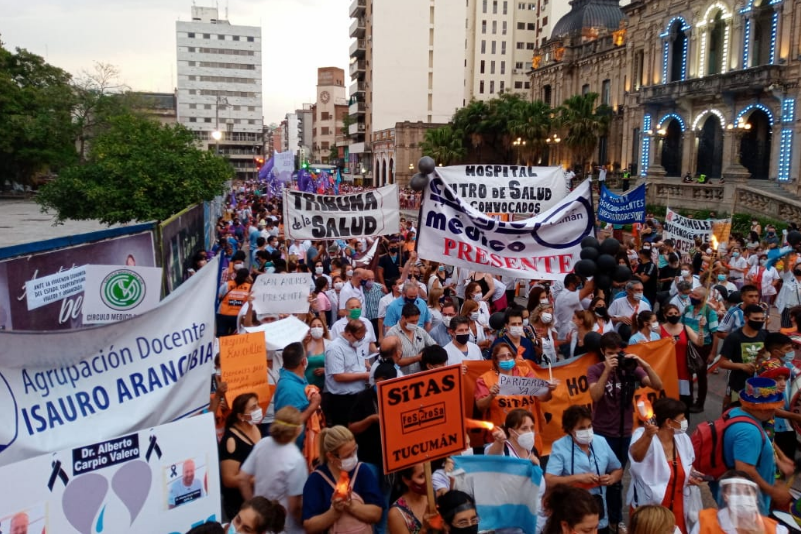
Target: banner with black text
{"x":507,"y":189}
{"x":547,"y":246}
{"x":683,"y":230}
{"x":369,"y":213}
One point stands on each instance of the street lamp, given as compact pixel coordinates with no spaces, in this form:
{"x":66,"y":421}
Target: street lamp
{"x":216,"y":135}
{"x":739,"y":129}
{"x":518,"y":143}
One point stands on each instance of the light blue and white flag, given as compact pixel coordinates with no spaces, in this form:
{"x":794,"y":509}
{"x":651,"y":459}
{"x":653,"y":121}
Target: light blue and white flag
{"x":506,"y":490}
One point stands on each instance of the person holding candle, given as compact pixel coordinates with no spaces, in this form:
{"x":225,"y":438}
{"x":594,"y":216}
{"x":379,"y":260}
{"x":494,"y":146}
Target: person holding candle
{"x":662,"y":459}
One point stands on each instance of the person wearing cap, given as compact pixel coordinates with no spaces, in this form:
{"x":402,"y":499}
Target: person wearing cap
{"x":746,"y":446}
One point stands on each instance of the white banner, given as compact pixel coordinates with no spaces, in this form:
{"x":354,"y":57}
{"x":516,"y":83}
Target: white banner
{"x":365,"y":214}
{"x":61,"y":389}
{"x":282,"y":293}
{"x":683,"y":230}
{"x":159,"y":480}
{"x":507,"y":189}
{"x":58,"y":286}
{"x":521,"y":385}
{"x":283,"y":166}
{"x":543,"y":247}
{"x":281,"y":333}
{"x":118,"y":292}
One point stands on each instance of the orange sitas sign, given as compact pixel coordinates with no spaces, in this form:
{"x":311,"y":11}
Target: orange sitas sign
{"x":421,"y":417}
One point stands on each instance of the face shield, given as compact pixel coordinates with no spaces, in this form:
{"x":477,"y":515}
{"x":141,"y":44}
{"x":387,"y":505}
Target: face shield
{"x":739,"y":498}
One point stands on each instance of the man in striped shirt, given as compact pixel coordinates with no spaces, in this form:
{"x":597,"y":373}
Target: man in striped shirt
{"x":700,"y":317}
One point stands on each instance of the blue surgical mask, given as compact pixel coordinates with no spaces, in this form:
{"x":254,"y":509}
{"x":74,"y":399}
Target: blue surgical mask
{"x":507,"y":365}
{"x":232,"y":530}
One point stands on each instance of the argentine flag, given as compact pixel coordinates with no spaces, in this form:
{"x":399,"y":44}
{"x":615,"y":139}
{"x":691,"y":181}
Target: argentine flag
{"x":507,"y":490}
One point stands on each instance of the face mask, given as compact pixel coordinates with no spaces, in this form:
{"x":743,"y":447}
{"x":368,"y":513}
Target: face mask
{"x":526,"y":440}
{"x":655,"y":327}
{"x":441,"y":268}
{"x":694,"y":301}
{"x":238,"y":266}
{"x":545,"y":301}
{"x":742,"y":505}
{"x":409,"y":301}
{"x":525,"y":322}
{"x":218,"y":372}
{"x":546,"y":318}
{"x":507,"y":365}
{"x":474,"y":316}
{"x":368,"y":285}
{"x":410,"y":326}
{"x":355,"y":313}
{"x":419,"y":489}
{"x":685,"y":273}
{"x":318,"y":270}
{"x":317,"y":332}
{"x":600,"y":311}
{"x":797,"y":272}
{"x":256,"y":416}
{"x":722,"y":277}
{"x":462,"y":339}
{"x":673,"y":319}
{"x":735,"y":254}
{"x":472,"y":529}
{"x":584,"y":437}
{"x":232,"y":530}
{"x":516,"y":331}
{"x":349,"y":464}
{"x":790,"y":356}
{"x":756,"y":325}
{"x":637,"y":296}
{"x":477,"y":297}
{"x":763,"y":262}
{"x":348,"y":273}
{"x":684,"y":297}
{"x":683,"y":428}
{"x":338,"y":285}
{"x":446,"y":320}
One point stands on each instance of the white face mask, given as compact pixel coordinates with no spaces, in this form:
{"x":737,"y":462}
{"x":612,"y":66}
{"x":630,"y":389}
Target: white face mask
{"x":584,"y":437}
{"x":317,"y":332}
{"x":410,"y":326}
{"x":349,"y":273}
{"x":655,"y":327}
{"x":545,"y":301}
{"x":446,"y":320}
{"x":318,"y":270}
{"x":256,"y":416}
{"x":525,"y":322}
{"x":477,"y":297}
{"x":526,"y":440}
{"x":218,"y":372}
{"x":349,"y":464}
{"x":683,"y":428}
{"x":238,"y":266}
{"x":516,"y":331}
{"x":685,"y":273}
{"x":338,"y":285}
{"x":474,"y":316}
{"x":637,"y":296}
{"x":546,"y":318}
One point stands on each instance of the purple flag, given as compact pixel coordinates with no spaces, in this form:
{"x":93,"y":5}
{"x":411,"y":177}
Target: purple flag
{"x":266,"y":171}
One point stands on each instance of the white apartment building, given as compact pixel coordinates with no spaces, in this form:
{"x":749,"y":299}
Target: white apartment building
{"x":292,"y":133}
{"x":220,"y":86}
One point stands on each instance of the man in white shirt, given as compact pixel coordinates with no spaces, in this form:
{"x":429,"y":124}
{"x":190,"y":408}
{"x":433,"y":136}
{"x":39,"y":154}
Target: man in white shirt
{"x":568,"y":302}
{"x":354,"y":311}
{"x":602,"y":177}
{"x":396,"y":286}
{"x":460,"y":348}
{"x":622,"y":310}
{"x":351,"y":289}
{"x":346,"y":373}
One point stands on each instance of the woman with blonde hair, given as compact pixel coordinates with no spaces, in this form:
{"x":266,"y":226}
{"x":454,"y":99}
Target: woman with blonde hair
{"x":276,"y":469}
{"x":470,"y":309}
{"x":652,"y":519}
{"x":434,"y":305}
{"x":583,"y":323}
{"x":325,"y":507}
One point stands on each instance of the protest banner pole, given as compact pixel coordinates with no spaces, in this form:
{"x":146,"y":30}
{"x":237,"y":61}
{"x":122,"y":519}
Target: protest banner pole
{"x":432,"y":504}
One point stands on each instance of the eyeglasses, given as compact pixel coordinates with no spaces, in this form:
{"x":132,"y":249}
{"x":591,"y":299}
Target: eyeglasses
{"x":464,"y":523}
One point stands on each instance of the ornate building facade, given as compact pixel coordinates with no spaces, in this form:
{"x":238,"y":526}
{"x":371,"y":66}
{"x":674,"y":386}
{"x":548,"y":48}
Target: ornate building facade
{"x":701,"y":87}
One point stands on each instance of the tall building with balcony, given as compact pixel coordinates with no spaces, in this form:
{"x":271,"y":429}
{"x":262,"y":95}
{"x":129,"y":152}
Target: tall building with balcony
{"x":329,"y":112}
{"x":220,"y":86}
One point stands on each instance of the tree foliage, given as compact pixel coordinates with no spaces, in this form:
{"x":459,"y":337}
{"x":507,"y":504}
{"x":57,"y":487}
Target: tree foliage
{"x":444,"y":144}
{"x":136,"y":170}
{"x":36,"y":130}
{"x":585,"y":124}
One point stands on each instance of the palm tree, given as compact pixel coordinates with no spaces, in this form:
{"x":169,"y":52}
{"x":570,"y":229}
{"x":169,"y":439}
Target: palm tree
{"x":531,"y":122}
{"x":444,"y":144}
{"x":472,"y":121}
{"x":585,"y":124}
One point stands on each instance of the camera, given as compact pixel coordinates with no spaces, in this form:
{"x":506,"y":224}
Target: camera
{"x":626,"y":365}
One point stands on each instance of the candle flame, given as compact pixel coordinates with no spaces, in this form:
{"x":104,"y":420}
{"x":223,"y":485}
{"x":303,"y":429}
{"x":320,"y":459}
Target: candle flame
{"x":473,"y":423}
{"x":644,"y":410}
{"x":342,"y":489}
{"x":714,"y":242}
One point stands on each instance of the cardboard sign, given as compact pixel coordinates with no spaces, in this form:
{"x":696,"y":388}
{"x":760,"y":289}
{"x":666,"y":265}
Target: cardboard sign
{"x":243,"y":362}
{"x":520,"y":385}
{"x":164,"y":479}
{"x":282,"y":293}
{"x":55,"y":287}
{"x":118,"y":292}
{"x":281,"y":333}
{"x":421,"y":417}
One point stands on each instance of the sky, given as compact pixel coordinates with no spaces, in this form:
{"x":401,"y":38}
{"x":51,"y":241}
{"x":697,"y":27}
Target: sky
{"x":138,"y":37}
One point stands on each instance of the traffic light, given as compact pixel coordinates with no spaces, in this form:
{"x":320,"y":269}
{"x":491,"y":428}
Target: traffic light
{"x":259,"y":162}
{"x":305,"y":165}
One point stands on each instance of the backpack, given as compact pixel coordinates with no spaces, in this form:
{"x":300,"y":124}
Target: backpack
{"x":707,"y":443}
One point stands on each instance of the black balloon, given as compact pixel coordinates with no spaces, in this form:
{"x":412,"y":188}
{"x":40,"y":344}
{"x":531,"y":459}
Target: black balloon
{"x":426,"y":165}
{"x":589,"y":241}
{"x":497,"y":320}
{"x":610,"y":246}
{"x":606,"y":264}
{"x":585,"y":268}
{"x":419,"y":182}
{"x":794,"y":237}
{"x":621,"y":274}
{"x":589,"y":253}
{"x":592,"y":341}
{"x":602,"y":281}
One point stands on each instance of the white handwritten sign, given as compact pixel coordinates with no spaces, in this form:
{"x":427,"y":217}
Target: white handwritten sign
{"x":281,"y":333}
{"x":282,"y":293}
{"x":520,"y":385}
{"x":48,"y":289}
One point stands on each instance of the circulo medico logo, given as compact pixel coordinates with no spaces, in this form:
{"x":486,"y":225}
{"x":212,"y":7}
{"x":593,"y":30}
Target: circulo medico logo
{"x":122,"y":290}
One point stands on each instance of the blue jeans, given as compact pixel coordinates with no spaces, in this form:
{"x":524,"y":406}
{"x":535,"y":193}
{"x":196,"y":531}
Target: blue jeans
{"x":386,"y":490}
{"x":614,"y":493}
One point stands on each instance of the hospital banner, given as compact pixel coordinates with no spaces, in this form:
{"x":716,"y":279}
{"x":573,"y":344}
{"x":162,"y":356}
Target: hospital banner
{"x":507,"y":189}
{"x":369,"y":213}
{"x":574,"y":389}
{"x":163,"y":479}
{"x":622,"y":209}
{"x":61,"y":389}
{"x":683,"y":230}
{"x":542,"y":247}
